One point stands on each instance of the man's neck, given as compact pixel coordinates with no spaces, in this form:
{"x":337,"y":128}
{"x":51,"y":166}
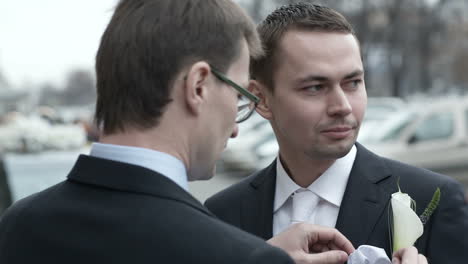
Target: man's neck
{"x":149,"y":139}
{"x":302,"y":169}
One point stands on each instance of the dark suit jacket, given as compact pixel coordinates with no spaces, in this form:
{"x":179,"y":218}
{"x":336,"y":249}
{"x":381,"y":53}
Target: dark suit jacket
{"x":363,"y":215}
{"x":112,"y":212}
{"x":5,"y":194}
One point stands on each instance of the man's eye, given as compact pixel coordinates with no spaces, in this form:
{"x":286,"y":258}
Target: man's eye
{"x":354,"y":83}
{"x":314,"y":88}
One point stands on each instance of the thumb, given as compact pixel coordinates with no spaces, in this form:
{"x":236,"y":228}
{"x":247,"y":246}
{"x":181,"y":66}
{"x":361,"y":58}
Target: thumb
{"x":329,"y":257}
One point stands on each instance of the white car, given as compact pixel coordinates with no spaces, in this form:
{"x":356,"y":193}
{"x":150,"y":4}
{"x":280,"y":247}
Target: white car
{"x":379,"y":110}
{"x":432,"y":135}
{"x":31,"y":134}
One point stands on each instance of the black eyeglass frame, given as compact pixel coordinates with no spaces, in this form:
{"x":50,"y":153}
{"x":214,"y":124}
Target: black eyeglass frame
{"x":255,"y":100}
{"x":252,"y":97}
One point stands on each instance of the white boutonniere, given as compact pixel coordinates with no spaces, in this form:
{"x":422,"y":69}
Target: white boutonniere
{"x":406,"y":227}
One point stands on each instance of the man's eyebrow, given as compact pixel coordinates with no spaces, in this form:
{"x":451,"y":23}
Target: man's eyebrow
{"x":319,"y":78}
{"x":311,"y":78}
{"x":354,"y":74}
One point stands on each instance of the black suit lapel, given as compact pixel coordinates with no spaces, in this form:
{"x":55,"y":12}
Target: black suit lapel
{"x":366,"y":198}
{"x":257,"y":205}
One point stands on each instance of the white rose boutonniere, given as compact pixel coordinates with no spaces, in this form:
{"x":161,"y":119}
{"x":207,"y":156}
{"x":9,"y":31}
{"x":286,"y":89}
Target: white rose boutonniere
{"x":406,"y":226}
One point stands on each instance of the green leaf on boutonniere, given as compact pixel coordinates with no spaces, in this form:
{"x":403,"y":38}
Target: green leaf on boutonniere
{"x":430,"y":207}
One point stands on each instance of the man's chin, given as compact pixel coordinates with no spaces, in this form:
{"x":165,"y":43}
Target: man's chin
{"x":333,"y":151}
{"x":342,"y":150}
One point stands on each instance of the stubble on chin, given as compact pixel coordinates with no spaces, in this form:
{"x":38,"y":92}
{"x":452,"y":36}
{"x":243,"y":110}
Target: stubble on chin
{"x":331,"y":150}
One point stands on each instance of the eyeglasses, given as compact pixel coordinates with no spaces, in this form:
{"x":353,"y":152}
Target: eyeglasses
{"x":247,"y":101}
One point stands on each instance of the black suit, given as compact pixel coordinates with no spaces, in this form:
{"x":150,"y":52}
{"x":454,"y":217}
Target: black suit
{"x":363,"y":215}
{"x":5,"y":194}
{"x":112,"y":212}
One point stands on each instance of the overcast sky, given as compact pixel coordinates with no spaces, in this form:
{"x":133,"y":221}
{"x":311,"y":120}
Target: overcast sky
{"x":43,"y":40}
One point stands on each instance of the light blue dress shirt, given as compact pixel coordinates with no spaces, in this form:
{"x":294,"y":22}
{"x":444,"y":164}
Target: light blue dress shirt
{"x":157,"y":161}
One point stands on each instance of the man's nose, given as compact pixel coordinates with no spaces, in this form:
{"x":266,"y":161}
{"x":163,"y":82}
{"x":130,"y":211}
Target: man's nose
{"x":338,"y":103}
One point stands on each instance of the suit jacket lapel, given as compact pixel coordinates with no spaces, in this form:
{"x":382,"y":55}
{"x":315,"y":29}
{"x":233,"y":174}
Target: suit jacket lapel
{"x":130,"y":178}
{"x":257,"y":206}
{"x":366,"y":197}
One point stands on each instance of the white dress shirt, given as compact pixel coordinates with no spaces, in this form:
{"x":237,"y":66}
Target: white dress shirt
{"x":330,"y":187}
{"x":157,"y":161}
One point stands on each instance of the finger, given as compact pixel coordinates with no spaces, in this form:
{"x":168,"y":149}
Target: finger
{"x":326,"y":235}
{"x":316,"y":248}
{"x":325,"y":249}
{"x":332,"y":246}
{"x":422,"y":259}
{"x":399,"y":253}
{"x":407,"y":255}
{"x":329,"y":257}
{"x":396,"y":260}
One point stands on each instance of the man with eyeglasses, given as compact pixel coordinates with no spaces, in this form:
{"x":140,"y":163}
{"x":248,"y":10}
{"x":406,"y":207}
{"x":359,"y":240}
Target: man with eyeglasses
{"x":165,"y":114}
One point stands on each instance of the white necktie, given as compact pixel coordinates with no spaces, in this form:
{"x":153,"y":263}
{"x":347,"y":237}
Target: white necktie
{"x":303,"y":205}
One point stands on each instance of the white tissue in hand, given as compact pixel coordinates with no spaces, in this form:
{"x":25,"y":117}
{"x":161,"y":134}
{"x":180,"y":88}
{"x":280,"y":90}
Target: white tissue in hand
{"x":369,"y":255}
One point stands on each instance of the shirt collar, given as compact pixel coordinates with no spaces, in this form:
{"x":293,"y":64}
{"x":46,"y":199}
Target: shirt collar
{"x":330,"y":186}
{"x":157,"y":161}
{"x":285,"y":186}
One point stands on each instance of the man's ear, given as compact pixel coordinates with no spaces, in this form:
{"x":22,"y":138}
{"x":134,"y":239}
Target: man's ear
{"x":195,"y":88}
{"x":262,"y":92}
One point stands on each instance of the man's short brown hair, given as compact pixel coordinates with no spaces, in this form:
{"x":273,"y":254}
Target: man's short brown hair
{"x":148,"y":42}
{"x":298,"y":16}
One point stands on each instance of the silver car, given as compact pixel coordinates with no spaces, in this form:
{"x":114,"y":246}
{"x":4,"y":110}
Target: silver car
{"x":431,"y":134}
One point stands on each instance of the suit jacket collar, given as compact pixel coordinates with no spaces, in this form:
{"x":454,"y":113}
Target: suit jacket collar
{"x":129,"y":178}
{"x":366,"y":197}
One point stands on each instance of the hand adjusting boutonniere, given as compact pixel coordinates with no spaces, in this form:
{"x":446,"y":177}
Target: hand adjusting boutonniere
{"x":406,"y":226}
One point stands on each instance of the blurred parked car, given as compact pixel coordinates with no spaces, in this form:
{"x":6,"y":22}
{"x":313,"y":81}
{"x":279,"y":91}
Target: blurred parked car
{"x":430,"y":135}
{"x":379,"y":110}
{"x":20,"y":133}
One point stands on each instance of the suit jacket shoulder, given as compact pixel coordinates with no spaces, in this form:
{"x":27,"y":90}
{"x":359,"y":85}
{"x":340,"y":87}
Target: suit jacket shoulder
{"x":101,"y":212}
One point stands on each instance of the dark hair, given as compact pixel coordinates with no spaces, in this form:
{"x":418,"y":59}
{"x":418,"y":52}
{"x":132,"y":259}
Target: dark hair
{"x":148,"y":42}
{"x":298,"y":16}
